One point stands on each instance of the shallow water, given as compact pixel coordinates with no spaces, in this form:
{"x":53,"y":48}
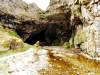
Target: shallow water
{"x":64,"y":63}
{"x":49,"y":61}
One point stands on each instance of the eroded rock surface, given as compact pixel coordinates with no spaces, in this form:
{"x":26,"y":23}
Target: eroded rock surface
{"x":87,"y":32}
{"x":19,"y":16}
{"x":75,"y":22}
{"x":82,"y":18}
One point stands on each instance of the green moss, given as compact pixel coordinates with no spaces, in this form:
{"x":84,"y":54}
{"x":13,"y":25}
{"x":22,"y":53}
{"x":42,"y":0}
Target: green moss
{"x":43,"y":16}
{"x":81,"y":37}
{"x":12,"y":33}
{"x":9,"y":31}
{"x":59,"y":11}
{"x":6,"y":44}
{"x":25,"y":6}
{"x":10,"y":40}
{"x":66,"y":45}
{"x":10,"y":52}
{"x":71,"y":41}
{"x":16,"y":43}
{"x":26,"y":46}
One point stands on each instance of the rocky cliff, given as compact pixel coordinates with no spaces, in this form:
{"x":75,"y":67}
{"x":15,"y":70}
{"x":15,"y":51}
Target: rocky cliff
{"x":70,"y":23}
{"x":16,"y":14}
{"x":87,"y":32}
{"x":81,"y":18}
{"x":73,"y":22}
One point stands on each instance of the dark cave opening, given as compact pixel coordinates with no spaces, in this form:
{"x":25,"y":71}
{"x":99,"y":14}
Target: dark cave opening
{"x":47,"y":37}
{"x":37,"y":37}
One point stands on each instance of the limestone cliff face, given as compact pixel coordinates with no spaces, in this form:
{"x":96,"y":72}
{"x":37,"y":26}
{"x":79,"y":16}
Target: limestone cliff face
{"x":33,"y":7}
{"x":76,"y":22}
{"x":87,"y":33}
{"x":84,"y":17}
{"x":17,"y":9}
{"x":58,"y":14}
{"x":19,"y":16}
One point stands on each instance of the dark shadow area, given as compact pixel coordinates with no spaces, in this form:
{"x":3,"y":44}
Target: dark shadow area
{"x":50,"y":36}
{"x":38,"y":37}
{"x":46,"y":37}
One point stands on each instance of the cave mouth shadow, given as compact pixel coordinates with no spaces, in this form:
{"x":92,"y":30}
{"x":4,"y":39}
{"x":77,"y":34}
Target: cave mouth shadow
{"x":37,"y":37}
{"x":47,"y":37}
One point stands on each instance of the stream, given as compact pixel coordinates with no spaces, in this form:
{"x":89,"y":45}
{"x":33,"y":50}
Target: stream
{"x":49,"y":61}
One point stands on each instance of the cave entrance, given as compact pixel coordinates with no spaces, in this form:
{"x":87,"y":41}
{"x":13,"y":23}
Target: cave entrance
{"x":38,"y":37}
{"x":48,"y":37}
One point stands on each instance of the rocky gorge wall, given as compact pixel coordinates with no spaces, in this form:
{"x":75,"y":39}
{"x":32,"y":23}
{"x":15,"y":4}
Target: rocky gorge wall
{"x":87,"y":33}
{"x":73,"y":22}
{"x":83,"y":20}
{"x":14,"y":17}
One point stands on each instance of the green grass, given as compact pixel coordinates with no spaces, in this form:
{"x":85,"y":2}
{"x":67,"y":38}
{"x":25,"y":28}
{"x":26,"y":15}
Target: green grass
{"x":10,"y":52}
{"x":26,"y":46}
{"x":12,"y":33}
{"x":43,"y":16}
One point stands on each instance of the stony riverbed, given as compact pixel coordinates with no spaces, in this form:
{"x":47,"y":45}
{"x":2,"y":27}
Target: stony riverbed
{"x":49,"y":61}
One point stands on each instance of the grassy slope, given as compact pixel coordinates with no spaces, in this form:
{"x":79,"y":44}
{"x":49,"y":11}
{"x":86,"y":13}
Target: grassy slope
{"x":7,"y":34}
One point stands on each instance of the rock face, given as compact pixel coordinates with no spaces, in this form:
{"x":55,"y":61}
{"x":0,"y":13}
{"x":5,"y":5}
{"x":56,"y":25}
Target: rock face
{"x":87,"y":32}
{"x":75,"y":22}
{"x":19,"y":16}
{"x":82,"y":18}
{"x":58,"y":13}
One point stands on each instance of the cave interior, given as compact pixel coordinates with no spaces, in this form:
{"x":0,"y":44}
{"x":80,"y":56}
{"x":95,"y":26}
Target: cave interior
{"x":46,"y":37}
{"x":34,"y":38}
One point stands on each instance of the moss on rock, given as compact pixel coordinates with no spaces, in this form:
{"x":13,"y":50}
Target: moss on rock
{"x":81,"y":37}
{"x":9,"y":40}
{"x":43,"y":16}
{"x":66,"y":45}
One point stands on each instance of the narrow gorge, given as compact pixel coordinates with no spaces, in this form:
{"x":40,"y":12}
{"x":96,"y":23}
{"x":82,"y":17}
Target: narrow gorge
{"x":67,"y":32}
